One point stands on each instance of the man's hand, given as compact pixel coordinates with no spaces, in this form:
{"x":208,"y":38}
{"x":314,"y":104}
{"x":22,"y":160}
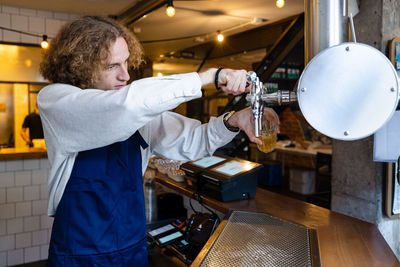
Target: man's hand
{"x":230,"y":81}
{"x":25,"y":136}
{"x":233,"y":81}
{"x":245,"y":121}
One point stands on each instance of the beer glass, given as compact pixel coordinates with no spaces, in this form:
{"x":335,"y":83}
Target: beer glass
{"x":267,"y":136}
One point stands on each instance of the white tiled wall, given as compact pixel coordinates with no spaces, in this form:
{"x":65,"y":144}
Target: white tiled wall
{"x":24,"y":225}
{"x":38,"y":22}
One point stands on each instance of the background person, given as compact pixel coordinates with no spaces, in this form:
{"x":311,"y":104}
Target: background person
{"x":34,"y":124}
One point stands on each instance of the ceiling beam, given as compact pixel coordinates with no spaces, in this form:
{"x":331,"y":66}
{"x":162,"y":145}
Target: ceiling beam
{"x":141,"y":8}
{"x":281,"y":49}
{"x":258,"y":38}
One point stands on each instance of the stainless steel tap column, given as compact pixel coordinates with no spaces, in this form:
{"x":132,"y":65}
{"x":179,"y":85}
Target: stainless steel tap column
{"x":254,"y":97}
{"x":326,"y":25}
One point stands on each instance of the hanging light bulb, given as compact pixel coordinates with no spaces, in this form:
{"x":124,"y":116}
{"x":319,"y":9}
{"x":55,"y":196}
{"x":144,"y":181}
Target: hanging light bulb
{"x":220,"y":37}
{"x":44,"y":44}
{"x":170,"y":9}
{"x":280,"y":3}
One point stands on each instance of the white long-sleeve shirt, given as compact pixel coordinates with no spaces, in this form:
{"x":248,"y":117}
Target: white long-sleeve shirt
{"x":76,"y":120}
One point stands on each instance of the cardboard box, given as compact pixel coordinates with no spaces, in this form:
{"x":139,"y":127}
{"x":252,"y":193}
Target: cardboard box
{"x":302,"y":181}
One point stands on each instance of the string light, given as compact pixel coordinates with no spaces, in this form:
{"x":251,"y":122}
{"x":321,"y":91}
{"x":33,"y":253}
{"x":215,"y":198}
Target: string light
{"x":170,"y":9}
{"x":280,"y":3}
{"x":206,"y":37}
{"x":220,"y":37}
{"x":44,"y":44}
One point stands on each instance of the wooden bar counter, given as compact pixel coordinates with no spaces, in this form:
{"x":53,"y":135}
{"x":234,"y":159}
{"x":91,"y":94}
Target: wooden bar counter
{"x":343,"y":240}
{"x":22,"y":153}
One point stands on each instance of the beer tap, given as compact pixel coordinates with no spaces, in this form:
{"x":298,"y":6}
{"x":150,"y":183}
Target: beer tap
{"x":254,"y":97}
{"x":258,"y":96}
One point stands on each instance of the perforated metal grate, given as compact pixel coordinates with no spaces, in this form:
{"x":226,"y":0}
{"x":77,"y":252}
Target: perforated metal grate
{"x":257,"y":239}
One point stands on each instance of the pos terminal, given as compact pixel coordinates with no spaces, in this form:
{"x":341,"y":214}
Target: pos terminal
{"x":223,"y":178}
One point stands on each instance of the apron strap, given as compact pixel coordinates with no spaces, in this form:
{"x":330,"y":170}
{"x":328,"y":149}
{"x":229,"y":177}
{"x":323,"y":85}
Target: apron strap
{"x":142,"y":143}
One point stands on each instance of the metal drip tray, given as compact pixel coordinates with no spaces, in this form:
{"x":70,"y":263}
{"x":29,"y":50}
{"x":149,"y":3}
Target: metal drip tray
{"x":257,"y":239}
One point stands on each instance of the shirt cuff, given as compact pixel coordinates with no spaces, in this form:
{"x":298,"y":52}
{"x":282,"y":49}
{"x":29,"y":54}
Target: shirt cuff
{"x":231,"y":128}
{"x":223,"y":130}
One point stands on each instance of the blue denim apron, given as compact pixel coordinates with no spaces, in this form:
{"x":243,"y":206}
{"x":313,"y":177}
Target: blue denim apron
{"x":101,"y":219}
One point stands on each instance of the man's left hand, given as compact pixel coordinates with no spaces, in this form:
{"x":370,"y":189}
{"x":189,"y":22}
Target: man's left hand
{"x":245,"y":121}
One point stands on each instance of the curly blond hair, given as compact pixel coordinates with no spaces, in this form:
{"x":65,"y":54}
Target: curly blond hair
{"x":80,"y":51}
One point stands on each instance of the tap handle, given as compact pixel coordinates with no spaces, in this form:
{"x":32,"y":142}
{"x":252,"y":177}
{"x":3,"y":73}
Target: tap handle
{"x":253,"y":79}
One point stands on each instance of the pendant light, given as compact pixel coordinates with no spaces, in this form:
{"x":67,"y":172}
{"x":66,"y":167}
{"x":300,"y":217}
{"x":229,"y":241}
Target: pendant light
{"x":280,"y":3}
{"x":44,"y":44}
{"x":170,"y":9}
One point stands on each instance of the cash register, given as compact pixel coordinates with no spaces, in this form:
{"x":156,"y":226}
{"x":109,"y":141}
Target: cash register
{"x":223,"y":178}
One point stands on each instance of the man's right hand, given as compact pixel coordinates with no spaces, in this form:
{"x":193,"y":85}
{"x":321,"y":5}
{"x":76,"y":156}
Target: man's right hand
{"x":230,"y":81}
{"x":233,"y":81}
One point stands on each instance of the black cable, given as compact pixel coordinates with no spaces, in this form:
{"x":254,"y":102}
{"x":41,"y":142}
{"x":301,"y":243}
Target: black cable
{"x":196,"y":196}
{"x":190,"y":203}
{"x":171,"y":39}
{"x":22,"y":32}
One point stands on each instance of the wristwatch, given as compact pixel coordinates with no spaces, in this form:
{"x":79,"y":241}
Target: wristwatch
{"x":227,"y":125}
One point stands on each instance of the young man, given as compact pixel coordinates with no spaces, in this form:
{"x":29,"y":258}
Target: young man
{"x":100,"y":133}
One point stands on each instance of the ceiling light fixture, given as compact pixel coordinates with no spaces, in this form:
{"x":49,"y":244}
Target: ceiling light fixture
{"x":257,"y":21}
{"x":220,"y":37}
{"x":44,"y":44}
{"x":170,"y":9}
{"x":280,"y":3}
{"x":199,"y":39}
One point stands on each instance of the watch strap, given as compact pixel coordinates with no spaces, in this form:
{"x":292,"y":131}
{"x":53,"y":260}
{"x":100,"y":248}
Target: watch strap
{"x":227,"y":125}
